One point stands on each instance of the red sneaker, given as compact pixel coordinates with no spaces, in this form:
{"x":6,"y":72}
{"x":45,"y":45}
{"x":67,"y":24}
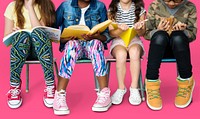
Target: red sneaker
{"x":14,"y":97}
{"x":49,"y":93}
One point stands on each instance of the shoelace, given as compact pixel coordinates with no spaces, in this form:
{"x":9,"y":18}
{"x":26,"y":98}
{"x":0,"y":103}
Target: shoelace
{"x":14,"y":92}
{"x":50,"y":91}
{"x":102,"y":97}
{"x":183,"y":92}
{"x":120,"y":94}
{"x":153,"y":93}
{"x":61,"y":100}
{"x":134,"y":94}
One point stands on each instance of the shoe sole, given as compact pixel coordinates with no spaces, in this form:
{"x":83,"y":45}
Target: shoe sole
{"x":151,"y":107}
{"x":101,"y":109}
{"x":47,"y":104}
{"x":61,"y":112}
{"x":189,"y":101}
{"x":16,"y":105}
{"x":135,"y":103}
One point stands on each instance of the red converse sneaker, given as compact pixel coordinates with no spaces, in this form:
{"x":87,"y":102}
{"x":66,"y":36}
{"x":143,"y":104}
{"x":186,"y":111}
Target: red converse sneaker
{"x":14,"y":97}
{"x":49,"y":92}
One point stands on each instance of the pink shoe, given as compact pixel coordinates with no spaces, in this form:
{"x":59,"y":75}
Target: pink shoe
{"x":103,"y":101}
{"x":14,"y":97}
{"x":59,"y":105}
{"x":48,"y":98}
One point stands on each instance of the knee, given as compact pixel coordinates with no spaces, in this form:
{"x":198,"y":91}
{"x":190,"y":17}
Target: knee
{"x":96,"y":45}
{"x":179,"y":38}
{"x":71,"y":46}
{"x":135,"y":52}
{"x":121,"y":56}
{"x":37,"y":33}
{"x":21,"y":38}
{"x":160,"y":38}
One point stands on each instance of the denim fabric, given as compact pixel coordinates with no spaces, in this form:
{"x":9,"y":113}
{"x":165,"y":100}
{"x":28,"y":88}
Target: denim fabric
{"x":69,"y":13}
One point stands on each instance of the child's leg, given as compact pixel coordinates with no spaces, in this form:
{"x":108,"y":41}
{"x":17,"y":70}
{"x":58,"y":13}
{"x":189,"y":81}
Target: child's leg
{"x":73,"y":50}
{"x":19,"y":52}
{"x":135,"y":52}
{"x":181,"y":50}
{"x":95,"y":52}
{"x":43,"y":48}
{"x":186,"y":82}
{"x":158,"y":45}
{"x":120,"y":53}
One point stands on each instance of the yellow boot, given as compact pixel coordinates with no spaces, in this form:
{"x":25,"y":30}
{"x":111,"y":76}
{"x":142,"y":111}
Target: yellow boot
{"x":154,"y":100}
{"x":184,"y":94}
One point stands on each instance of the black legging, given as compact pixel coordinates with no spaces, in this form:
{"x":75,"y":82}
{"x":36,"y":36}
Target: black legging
{"x":176,"y":44}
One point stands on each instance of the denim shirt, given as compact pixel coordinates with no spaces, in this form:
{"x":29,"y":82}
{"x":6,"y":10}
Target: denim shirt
{"x":69,"y":13}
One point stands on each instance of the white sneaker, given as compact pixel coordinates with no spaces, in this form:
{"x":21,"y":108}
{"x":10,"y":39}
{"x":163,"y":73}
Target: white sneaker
{"x":59,"y":105}
{"x":134,"y":98}
{"x":117,"y":97}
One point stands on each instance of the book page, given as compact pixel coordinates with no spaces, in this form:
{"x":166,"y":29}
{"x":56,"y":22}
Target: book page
{"x":100,"y":27}
{"x":52,"y":33}
{"x":75,"y":30}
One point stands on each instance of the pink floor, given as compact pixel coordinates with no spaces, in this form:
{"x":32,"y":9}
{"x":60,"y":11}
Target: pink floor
{"x":81,"y":94}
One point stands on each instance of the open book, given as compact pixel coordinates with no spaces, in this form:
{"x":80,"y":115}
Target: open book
{"x":53,"y":34}
{"x":171,"y":21}
{"x":79,"y":30}
{"x":127,"y":35}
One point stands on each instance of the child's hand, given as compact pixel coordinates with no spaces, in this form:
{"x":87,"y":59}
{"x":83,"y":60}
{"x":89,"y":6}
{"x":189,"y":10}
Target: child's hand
{"x":91,"y":37}
{"x":139,"y":25}
{"x":163,"y":25}
{"x":179,"y":26}
{"x":123,"y":27}
{"x":64,"y":40}
{"x":15,"y":29}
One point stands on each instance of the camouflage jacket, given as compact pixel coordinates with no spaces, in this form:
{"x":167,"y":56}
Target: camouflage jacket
{"x":185,"y":14}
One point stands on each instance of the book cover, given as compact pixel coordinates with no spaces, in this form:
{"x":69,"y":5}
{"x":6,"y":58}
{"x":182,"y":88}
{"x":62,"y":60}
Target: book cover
{"x":53,"y":34}
{"x":79,"y":30}
{"x":127,"y":35}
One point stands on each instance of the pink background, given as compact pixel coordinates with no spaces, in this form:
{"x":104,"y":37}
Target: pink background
{"x":81,"y":95}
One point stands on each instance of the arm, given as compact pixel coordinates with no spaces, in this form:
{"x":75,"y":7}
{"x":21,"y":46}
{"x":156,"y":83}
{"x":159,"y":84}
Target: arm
{"x":33,"y":18}
{"x":104,"y":37}
{"x":115,"y":32}
{"x":191,"y":28}
{"x":151,"y":23}
{"x":59,"y":16}
{"x":9,"y":25}
{"x":140,"y":26}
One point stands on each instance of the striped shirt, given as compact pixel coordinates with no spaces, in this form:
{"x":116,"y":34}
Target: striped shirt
{"x":127,"y":16}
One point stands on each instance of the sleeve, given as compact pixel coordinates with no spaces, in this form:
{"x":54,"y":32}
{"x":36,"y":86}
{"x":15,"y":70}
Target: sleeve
{"x":191,"y":29}
{"x":9,"y":12}
{"x":142,"y":11}
{"x":151,"y":23}
{"x":59,"y":16}
{"x":103,"y":17}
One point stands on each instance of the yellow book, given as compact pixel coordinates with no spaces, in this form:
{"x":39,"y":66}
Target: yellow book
{"x":127,"y":35}
{"x":79,"y":30}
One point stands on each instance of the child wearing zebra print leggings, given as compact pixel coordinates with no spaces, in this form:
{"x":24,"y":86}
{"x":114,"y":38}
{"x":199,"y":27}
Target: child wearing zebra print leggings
{"x":26,"y":14}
